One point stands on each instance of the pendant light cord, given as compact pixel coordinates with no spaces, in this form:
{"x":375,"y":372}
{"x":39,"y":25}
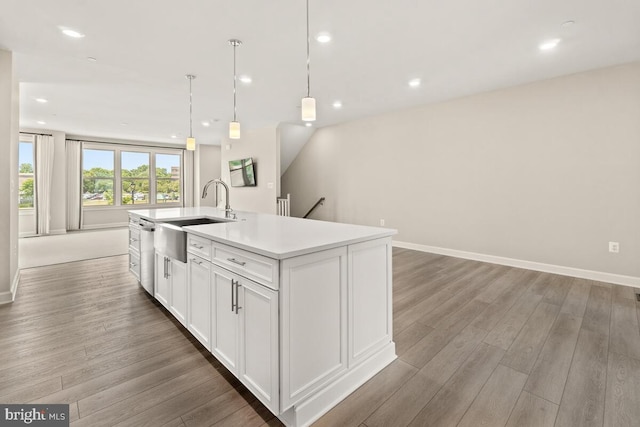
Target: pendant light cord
{"x":234,"y":82}
{"x":190,"y":108}
{"x":308,"y":56}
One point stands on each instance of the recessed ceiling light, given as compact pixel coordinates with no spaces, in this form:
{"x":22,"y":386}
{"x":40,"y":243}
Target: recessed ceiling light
{"x":337,"y":104}
{"x":91,"y":59}
{"x":549,"y":44}
{"x":205,"y":124}
{"x":566,"y":24}
{"x":323,"y":37}
{"x":41,"y":122}
{"x":41,"y":100}
{"x":308,"y":124}
{"x":415,"y":82}
{"x":72,"y":33}
{"x":174,"y":136}
{"x":245,"y":79}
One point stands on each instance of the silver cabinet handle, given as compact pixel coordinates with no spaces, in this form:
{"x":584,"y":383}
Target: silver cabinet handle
{"x":237,"y":300}
{"x":196,"y":261}
{"x":233,"y":304}
{"x":197,"y":246}
{"x":132,"y":264}
{"x":133,"y":240}
{"x":235,"y":261}
{"x":166,"y":268}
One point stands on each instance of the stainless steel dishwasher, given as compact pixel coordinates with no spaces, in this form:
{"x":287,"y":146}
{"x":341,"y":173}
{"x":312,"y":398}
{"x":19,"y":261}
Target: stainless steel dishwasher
{"x":147,"y":229}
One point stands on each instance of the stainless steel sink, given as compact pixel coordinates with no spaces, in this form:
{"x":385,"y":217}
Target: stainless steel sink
{"x":171,"y":240}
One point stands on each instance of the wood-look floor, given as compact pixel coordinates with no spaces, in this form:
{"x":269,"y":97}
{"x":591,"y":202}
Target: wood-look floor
{"x":478,"y":345}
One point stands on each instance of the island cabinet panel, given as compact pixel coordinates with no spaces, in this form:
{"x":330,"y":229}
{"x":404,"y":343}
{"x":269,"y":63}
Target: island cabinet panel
{"x":370,"y":304}
{"x":259,"y":363}
{"x":224,"y":320}
{"x":313,"y":313}
{"x":161,"y":291}
{"x":199,"y":300}
{"x":178,"y":290}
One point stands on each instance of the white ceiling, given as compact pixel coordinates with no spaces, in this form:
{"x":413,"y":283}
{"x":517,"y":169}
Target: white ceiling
{"x":137,"y":90}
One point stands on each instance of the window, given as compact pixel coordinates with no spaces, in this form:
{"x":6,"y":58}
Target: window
{"x":167,"y":178}
{"x":121,"y":176}
{"x":135,"y":178}
{"x":26,"y":168}
{"x":97,"y":177}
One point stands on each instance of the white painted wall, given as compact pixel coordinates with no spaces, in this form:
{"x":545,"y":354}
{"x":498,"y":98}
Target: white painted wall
{"x":547,"y":172}
{"x":9,"y":114}
{"x":263,"y":146}
{"x":209,"y":168}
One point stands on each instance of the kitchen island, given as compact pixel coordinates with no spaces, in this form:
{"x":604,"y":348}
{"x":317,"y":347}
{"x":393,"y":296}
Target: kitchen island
{"x":298,"y":310}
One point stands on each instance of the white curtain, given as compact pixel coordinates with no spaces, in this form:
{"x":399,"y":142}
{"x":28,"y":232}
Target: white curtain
{"x":188,"y":174}
{"x":44,"y":175}
{"x":74,"y":184}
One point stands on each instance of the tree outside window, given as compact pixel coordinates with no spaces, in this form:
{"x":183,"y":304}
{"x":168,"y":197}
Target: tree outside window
{"x":135,"y":178}
{"x":168,"y":175}
{"x":97,"y":177}
{"x":26,"y":175}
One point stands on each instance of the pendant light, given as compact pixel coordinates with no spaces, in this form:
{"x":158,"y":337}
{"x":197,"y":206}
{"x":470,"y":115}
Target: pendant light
{"x":234,"y":126}
{"x":191,"y":141}
{"x":308,"y":104}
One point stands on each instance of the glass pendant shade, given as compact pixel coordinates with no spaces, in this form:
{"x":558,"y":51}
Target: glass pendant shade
{"x":191,"y":144}
{"x":308,"y":109}
{"x":234,"y":130}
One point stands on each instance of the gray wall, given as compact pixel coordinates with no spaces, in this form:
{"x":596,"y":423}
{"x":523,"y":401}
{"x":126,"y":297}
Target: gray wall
{"x":264,"y":147}
{"x":9,"y":110}
{"x":547,"y":172}
{"x":209,"y":168}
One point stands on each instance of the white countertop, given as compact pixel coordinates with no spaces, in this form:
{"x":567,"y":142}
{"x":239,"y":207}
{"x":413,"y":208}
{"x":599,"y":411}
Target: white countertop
{"x":273,"y":236}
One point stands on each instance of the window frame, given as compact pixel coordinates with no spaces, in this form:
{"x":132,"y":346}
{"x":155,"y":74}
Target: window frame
{"x":117,"y":174}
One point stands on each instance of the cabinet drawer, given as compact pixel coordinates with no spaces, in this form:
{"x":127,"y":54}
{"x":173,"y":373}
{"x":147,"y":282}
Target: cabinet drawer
{"x":134,"y":238}
{"x":134,"y":264}
{"x":199,"y":246}
{"x":253,"y":266}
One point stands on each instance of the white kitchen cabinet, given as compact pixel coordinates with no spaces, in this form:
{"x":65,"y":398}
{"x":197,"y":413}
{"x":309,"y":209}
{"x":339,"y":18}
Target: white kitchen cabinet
{"x":313,"y":315}
{"x":199,"y":299}
{"x":162,"y":288}
{"x":245,"y":333}
{"x":171,"y":285}
{"x":224,"y":320}
{"x":259,"y":361}
{"x":299,"y":311}
{"x":178,"y":290}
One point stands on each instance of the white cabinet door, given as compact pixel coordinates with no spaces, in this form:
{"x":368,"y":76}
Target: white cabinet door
{"x":162,"y":279}
{"x":224,"y":319}
{"x":313,"y":313}
{"x":259,"y":362}
{"x":178,"y":290}
{"x":199,"y":300}
{"x":370,"y":279}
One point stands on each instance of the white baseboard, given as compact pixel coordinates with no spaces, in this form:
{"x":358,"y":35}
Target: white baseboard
{"x":599,"y":276}
{"x":105,"y":226}
{"x":10,"y":296}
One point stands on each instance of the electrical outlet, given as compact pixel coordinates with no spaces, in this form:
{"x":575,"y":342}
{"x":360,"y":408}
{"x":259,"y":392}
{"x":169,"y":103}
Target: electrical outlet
{"x":614,"y":247}
{"x":382,"y":222}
